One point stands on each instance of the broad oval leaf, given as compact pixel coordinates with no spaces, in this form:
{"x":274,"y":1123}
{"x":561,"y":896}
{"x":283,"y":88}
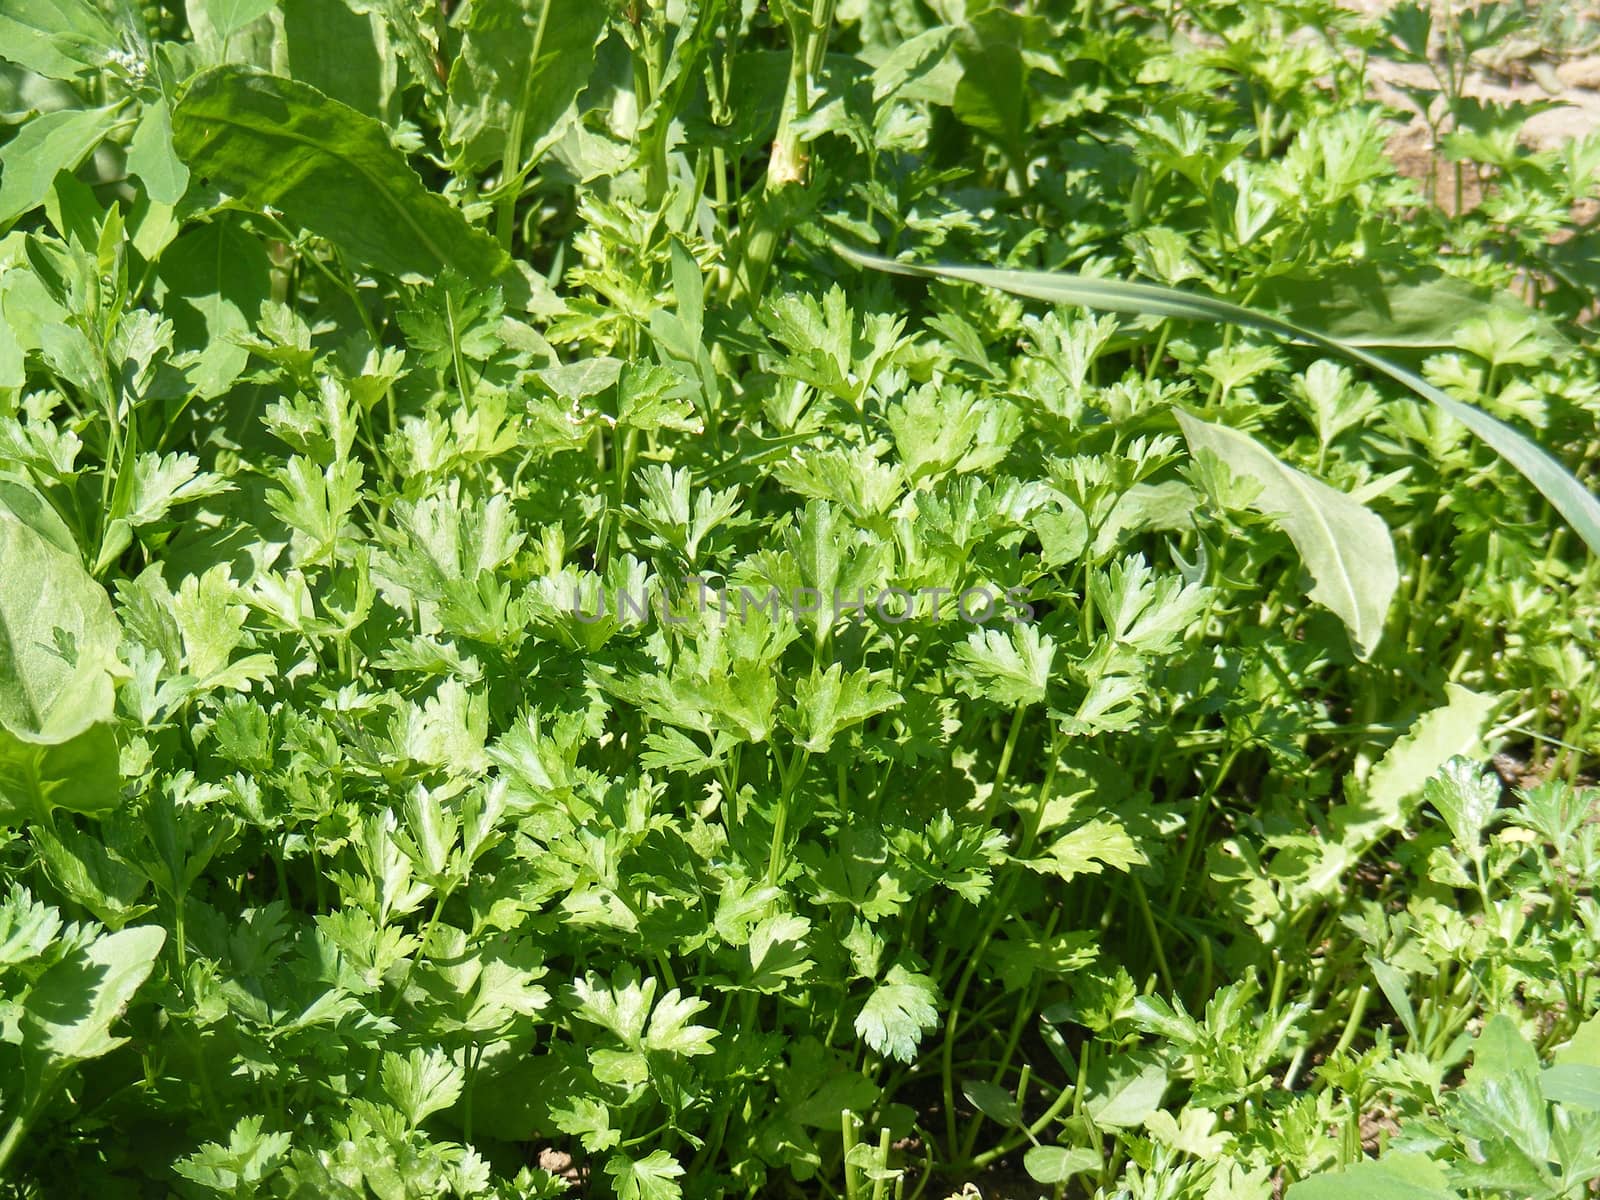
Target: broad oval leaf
{"x":1124,"y":1091}
{"x":151,"y":157}
{"x":68,"y":1015}
{"x":1554,"y":482}
{"x":342,"y":53}
{"x":1398,"y":1176}
{"x":1057,"y":1164}
{"x":1344,"y":545}
{"x":1500,"y":1052}
{"x":237,"y":127}
{"x":993,"y":94}
{"x":59,"y":39}
{"x":215,"y":279}
{"x":992,"y":1100}
{"x":58,"y":643}
{"x":1570,"y":1083}
{"x":54,"y":142}
{"x":229,"y":16}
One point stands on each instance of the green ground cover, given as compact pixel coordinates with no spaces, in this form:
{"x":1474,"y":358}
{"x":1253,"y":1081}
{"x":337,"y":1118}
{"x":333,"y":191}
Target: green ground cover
{"x":690,"y":598}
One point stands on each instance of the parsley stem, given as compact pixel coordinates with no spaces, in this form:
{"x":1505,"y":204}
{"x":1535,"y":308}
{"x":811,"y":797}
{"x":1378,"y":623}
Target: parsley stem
{"x":1358,"y":1010}
{"x":14,"y":1132}
{"x":513,"y":171}
{"x":474,"y":1057}
{"x":847,"y":1122}
{"x":780,"y":817}
{"x":1003,"y":769}
{"x":996,"y":912}
{"x":786,"y":168}
{"x":1029,"y":1133}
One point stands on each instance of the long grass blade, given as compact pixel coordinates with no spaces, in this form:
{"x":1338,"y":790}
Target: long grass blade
{"x":1556,"y":484}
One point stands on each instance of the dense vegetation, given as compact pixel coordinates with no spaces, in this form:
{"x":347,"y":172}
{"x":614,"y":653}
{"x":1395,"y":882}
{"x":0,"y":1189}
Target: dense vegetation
{"x":536,"y":660}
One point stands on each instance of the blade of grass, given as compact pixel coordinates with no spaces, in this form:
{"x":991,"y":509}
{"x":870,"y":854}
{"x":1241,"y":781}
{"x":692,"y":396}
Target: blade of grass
{"x":1555,"y":483}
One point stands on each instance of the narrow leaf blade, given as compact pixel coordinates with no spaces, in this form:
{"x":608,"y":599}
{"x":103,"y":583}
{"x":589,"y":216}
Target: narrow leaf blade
{"x":1566,"y":495}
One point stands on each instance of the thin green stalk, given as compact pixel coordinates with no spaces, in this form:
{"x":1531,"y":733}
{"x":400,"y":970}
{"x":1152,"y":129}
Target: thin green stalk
{"x":1143,"y":901}
{"x":847,"y":1122}
{"x":787,"y":166}
{"x":1031,"y":1133}
{"x":13,"y":1138}
{"x":1358,"y":1012}
{"x":780,"y":820}
{"x":512,"y":169}
{"x":1003,"y":769}
{"x":1197,"y":823}
{"x":996,"y":911}
{"x":1159,"y":352}
{"x":883,"y":1162}
{"x":1024,"y":1010}
{"x":474,"y":1056}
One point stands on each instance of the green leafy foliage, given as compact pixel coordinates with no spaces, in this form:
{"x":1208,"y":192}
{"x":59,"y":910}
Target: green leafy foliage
{"x":522,"y":64}
{"x":527,"y":670}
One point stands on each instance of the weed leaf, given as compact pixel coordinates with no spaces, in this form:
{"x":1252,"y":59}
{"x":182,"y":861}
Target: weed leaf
{"x":58,"y":641}
{"x":350,"y":185}
{"x":1344,"y":545}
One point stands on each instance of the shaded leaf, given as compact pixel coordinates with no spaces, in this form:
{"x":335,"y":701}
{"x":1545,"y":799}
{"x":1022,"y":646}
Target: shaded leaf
{"x":229,"y":16}
{"x":343,"y":54}
{"x":68,"y":1014}
{"x":521,"y":66}
{"x":60,"y":39}
{"x":236,"y":127}
{"x":58,"y":642}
